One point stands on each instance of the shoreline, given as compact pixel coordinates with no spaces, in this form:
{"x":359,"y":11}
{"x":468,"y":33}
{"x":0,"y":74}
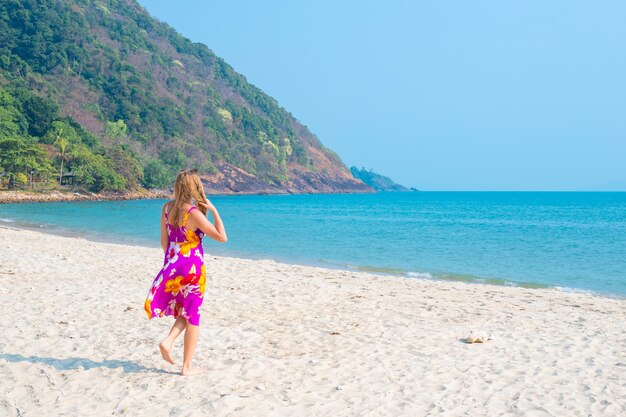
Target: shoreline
{"x":334,"y":266}
{"x":24,"y":196}
{"x":16,"y":197}
{"x":329,"y":266}
{"x":284,"y":339}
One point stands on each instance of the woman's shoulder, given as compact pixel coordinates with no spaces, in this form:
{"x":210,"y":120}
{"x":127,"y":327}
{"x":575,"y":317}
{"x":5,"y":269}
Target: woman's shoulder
{"x":167,"y":205}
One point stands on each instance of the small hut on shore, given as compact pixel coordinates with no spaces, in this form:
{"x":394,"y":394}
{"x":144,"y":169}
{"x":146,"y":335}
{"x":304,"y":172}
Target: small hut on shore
{"x":68,"y":179}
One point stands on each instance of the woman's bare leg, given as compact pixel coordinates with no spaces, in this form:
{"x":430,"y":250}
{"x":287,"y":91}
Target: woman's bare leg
{"x":166,"y":345}
{"x":191,"y":339}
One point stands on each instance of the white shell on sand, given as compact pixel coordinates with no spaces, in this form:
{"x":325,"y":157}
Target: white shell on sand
{"x":477,"y":337}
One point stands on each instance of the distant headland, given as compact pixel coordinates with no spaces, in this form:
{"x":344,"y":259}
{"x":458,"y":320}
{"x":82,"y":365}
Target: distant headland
{"x":377,"y":181}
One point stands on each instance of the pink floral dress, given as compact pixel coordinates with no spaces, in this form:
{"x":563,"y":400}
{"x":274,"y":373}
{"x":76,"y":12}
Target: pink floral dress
{"x":178,"y":289}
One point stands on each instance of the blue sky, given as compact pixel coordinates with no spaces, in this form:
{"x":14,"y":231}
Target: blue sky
{"x":438,"y":95}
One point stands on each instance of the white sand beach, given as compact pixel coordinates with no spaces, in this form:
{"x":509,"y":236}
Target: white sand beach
{"x":289,"y":340}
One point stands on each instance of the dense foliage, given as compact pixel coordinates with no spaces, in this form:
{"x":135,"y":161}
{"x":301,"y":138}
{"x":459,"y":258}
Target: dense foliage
{"x":102,"y":90}
{"x":35,"y":139}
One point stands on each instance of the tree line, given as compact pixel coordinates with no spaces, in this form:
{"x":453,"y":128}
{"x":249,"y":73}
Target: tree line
{"x":37,"y":142}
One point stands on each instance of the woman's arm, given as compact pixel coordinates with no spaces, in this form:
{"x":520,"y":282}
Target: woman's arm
{"x":164,"y":237}
{"x":217,"y":231}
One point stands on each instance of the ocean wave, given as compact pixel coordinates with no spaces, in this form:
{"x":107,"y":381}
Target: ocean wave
{"x":575,"y":290}
{"x":412,"y":274}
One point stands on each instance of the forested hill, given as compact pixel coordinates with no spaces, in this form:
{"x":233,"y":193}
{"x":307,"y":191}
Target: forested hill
{"x":120,"y":100}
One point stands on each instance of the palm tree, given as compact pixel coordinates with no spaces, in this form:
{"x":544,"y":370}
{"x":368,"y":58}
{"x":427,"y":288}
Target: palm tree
{"x":62,"y":143}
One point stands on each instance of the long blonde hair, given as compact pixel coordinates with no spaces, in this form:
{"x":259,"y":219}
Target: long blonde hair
{"x":187,"y":188}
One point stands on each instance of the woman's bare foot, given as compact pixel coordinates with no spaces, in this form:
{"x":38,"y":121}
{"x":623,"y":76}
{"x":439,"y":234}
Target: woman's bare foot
{"x":166,"y":352}
{"x":192,"y":371}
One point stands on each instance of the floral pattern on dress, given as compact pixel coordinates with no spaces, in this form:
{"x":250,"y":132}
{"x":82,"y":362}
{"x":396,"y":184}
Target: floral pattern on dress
{"x":178,"y":289}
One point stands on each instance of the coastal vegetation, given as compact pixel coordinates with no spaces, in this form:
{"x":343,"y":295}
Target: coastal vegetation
{"x":36,"y":141}
{"x":100,"y":95}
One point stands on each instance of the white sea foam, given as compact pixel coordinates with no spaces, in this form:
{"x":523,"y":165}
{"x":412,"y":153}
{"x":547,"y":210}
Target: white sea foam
{"x":577,"y":290}
{"x":419,"y":275}
{"x":2,"y":219}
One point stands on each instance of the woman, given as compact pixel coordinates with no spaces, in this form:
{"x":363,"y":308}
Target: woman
{"x":178,"y":289}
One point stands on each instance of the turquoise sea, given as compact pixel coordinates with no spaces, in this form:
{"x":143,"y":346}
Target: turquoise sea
{"x":561,"y":239}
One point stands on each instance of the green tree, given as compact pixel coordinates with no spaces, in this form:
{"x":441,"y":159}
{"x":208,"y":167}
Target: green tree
{"x":156,"y":175}
{"x":126,"y":165}
{"x":12,"y":122}
{"x":62,"y":135}
{"x":116,"y":131}
{"x":61,"y":142}
{"x":23,"y":155}
{"x":94,"y":171}
{"x":40,"y":112}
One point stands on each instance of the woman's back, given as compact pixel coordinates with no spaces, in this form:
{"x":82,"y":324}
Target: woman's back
{"x":181,"y":233}
{"x":179,"y":288}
